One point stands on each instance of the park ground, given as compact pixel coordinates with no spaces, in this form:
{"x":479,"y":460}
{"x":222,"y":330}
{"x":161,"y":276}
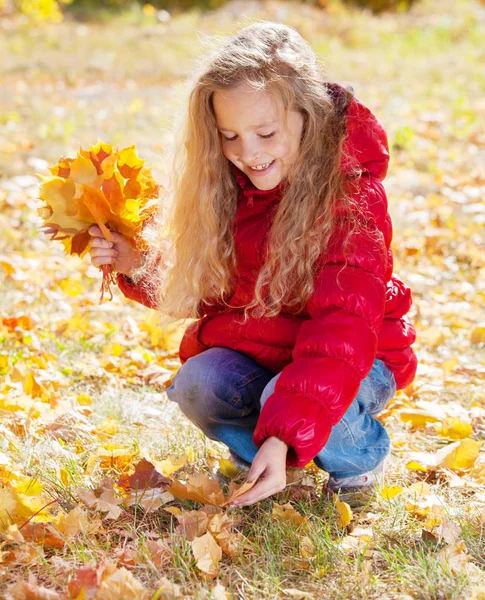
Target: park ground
{"x":81,"y":387}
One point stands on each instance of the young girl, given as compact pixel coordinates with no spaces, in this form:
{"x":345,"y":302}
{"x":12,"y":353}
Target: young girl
{"x":280,"y":247}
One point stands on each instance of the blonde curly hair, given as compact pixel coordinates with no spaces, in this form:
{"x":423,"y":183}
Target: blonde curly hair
{"x":199,"y":251}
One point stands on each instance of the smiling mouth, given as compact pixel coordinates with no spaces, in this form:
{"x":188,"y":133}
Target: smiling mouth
{"x":262,"y":167}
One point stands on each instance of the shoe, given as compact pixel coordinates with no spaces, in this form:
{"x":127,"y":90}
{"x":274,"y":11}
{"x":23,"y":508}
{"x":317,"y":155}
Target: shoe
{"x":359,"y":489}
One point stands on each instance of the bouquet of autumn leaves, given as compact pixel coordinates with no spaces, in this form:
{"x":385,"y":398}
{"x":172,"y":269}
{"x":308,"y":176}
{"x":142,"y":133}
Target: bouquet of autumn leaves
{"x":111,"y":189}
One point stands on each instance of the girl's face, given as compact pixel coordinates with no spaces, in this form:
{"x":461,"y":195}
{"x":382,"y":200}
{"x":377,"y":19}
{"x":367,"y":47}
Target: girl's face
{"x":257,"y":134}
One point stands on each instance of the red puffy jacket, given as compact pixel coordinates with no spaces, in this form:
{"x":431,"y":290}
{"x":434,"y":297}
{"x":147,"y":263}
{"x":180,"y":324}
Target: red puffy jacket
{"x":356,"y":314}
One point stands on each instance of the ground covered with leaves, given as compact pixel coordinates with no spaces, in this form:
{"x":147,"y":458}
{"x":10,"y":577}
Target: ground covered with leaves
{"x":106,"y":491}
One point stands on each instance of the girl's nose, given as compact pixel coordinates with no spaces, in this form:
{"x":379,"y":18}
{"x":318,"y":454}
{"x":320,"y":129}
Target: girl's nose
{"x":249,"y":154}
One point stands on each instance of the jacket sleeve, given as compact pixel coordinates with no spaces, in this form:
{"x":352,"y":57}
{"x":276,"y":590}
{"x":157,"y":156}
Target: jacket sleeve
{"x":336,"y":347}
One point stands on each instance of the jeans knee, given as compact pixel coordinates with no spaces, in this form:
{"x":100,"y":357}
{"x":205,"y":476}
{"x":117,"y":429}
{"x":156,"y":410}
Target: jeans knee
{"x":201,"y":387}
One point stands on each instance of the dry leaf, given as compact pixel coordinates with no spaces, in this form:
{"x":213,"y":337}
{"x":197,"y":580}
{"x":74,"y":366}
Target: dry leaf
{"x":236,"y":490}
{"x":102,"y":499}
{"x":166,"y":590}
{"x":455,"y":429}
{"x":286,"y":512}
{"x":121,"y":585}
{"x":193,"y":523}
{"x":231,"y":542}
{"x":389,"y":492}
{"x":345,"y":513}
{"x":199,"y":487}
{"x":160,"y":553}
{"x":460,"y":455}
{"x":207,"y":554}
{"x":74,"y":522}
{"x":448,"y":531}
{"x":30,"y":590}
{"x":219,"y":593}
{"x":84,"y":584}
{"x":145,"y":476}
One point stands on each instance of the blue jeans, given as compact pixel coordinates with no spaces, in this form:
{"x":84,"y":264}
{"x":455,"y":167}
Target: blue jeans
{"x":222,"y":392}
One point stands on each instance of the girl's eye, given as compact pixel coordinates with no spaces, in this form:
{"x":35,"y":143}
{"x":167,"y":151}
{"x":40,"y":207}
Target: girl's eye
{"x":263,"y":136}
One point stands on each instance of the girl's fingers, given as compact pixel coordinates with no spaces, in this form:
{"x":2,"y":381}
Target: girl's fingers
{"x":99,"y":242}
{"x":99,"y":261}
{"x":95,"y":232}
{"x":103,"y":252}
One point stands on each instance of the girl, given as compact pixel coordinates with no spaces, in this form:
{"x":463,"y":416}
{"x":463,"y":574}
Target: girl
{"x":280,"y":248}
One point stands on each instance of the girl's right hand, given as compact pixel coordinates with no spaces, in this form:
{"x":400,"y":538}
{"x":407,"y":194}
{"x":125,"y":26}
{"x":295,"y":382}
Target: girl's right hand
{"x":120,"y":253}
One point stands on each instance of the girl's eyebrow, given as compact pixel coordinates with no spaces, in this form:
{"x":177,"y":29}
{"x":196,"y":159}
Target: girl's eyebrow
{"x":255,"y":127}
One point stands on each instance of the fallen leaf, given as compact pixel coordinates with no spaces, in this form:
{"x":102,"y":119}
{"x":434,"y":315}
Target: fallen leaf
{"x":30,"y":590}
{"x":145,"y":476}
{"x":389,"y":492}
{"x":84,"y":584}
{"x":207,"y":553}
{"x":459,"y":455}
{"x":236,"y":490}
{"x":286,"y":512}
{"x":345,"y":513}
{"x":166,"y":590}
{"x":199,"y":487}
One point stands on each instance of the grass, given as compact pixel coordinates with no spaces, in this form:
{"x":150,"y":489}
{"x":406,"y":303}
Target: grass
{"x":65,"y":85}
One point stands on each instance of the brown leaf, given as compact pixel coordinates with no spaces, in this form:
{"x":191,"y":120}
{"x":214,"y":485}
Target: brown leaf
{"x":42,"y":533}
{"x":160,"y":553}
{"x":85,"y":581}
{"x":201,"y":488}
{"x":144,"y":477}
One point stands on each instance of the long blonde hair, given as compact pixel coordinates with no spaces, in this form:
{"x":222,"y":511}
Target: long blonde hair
{"x":200,"y":260}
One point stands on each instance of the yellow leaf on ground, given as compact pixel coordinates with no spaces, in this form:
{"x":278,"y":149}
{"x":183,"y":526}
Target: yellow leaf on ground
{"x":418,"y":417}
{"x":345,"y":513}
{"x":287,"y":512}
{"x":207,"y":554}
{"x":460,"y":455}
{"x":389,"y":492}
{"x":121,"y":584}
{"x":456,"y":429}
{"x":478,"y":334}
{"x":228,"y":468}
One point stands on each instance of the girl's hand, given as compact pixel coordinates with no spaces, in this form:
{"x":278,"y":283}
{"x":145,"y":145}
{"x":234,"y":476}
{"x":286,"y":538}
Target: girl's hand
{"x":269,"y":465}
{"x":120,"y":253}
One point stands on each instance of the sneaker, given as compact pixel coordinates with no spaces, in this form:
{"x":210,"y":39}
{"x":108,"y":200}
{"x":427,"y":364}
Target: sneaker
{"x":358,"y":490}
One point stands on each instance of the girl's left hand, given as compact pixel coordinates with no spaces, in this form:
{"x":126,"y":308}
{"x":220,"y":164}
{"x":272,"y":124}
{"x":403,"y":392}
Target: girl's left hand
{"x":269,"y":465}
